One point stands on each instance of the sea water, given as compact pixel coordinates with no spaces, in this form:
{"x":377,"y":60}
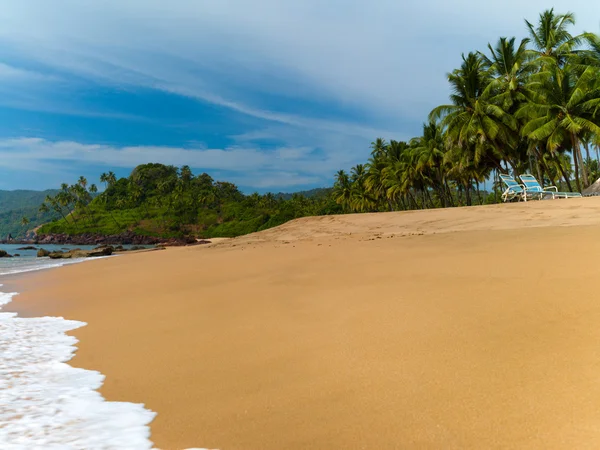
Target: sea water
{"x":27,"y":260}
{"x":44,"y":402}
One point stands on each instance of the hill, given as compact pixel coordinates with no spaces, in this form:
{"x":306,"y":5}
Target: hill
{"x":14,"y":205}
{"x":166,"y":201}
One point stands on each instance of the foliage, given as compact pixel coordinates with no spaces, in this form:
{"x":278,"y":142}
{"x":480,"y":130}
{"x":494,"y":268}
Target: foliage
{"x":527,"y":106}
{"x":166,"y":201}
{"x":520,"y":108}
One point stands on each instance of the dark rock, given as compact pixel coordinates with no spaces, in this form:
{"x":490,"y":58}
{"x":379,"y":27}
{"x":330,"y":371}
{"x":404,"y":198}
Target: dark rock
{"x":4,"y":254}
{"x":78,"y":253}
{"x":29,"y":247}
{"x":60,"y":255}
{"x":106,"y":251}
{"x":42,"y":253}
{"x":17,"y":254}
{"x":126,"y":238}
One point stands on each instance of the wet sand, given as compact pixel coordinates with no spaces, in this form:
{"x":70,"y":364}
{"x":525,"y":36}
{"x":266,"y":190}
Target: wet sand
{"x":447,"y":329}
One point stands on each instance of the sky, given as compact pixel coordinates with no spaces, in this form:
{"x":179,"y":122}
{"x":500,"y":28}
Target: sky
{"x":273,"y":95}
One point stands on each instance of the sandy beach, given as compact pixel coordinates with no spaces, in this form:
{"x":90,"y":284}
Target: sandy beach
{"x":461,"y":328}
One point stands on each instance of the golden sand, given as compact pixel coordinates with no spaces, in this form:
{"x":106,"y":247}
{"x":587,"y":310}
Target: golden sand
{"x":447,"y":329}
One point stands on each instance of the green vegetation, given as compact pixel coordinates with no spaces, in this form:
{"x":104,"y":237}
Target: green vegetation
{"x":159,"y":200}
{"x":527,"y":106}
{"x":17,"y":205}
{"x":521,"y":106}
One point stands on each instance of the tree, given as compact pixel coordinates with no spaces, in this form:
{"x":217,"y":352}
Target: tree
{"x":342,"y":190}
{"x":565,"y":107}
{"x":551,"y":39}
{"x":473,"y":122}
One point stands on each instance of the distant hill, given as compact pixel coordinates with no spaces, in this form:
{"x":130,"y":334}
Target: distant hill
{"x":14,"y":205}
{"x":313,"y":193}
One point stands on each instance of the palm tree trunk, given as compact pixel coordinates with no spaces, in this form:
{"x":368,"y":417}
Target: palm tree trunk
{"x":468,"y":194}
{"x":586,"y":145}
{"x":578,"y":156}
{"x":449,"y":193}
{"x":429,"y":197}
{"x":478,"y":193}
{"x":564,"y":174}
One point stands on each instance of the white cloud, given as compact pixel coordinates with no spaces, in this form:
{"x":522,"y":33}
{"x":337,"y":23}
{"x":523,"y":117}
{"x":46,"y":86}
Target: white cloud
{"x":386,"y":59}
{"x":281,"y":167}
{"x":354,"y":71}
{"x":11,"y":73}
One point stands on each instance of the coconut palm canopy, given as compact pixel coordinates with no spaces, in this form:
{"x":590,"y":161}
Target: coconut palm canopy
{"x":520,"y":106}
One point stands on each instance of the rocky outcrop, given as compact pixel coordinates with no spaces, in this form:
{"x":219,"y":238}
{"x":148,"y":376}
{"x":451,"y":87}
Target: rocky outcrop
{"x":42,"y":253}
{"x":126,"y":238}
{"x":29,"y":247}
{"x":4,"y":254}
{"x":78,"y":253}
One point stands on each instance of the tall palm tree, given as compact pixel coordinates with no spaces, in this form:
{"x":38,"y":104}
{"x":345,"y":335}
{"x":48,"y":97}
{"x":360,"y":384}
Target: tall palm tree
{"x":361,"y":199}
{"x":472,"y":121}
{"x":564,"y":108}
{"x":342,"y":190}
{"x":429,"y":151}
{"x":551,"y":38}
{"x":510,"y":69}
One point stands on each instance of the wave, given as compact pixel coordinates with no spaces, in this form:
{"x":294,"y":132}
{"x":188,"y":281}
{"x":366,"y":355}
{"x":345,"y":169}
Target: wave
{"x":46,"y":403}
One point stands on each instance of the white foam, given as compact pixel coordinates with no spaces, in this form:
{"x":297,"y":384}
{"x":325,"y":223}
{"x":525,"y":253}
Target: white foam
{"x":43,"y":263}
{"x":45,"y":403}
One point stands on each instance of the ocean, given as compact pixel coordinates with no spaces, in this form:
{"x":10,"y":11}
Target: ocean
{"x":44,"y":402}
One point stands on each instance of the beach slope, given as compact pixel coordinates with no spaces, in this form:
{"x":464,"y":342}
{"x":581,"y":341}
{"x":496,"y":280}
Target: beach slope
{"x":451,"y":329}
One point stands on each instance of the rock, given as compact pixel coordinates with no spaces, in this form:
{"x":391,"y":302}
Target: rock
{"x":29,"y":247}
{"x":78,"y":253}
{"x":104,"y":248}
{"x":4,"y":254}
{"x":17,"y":254}
{"x":42,"y":253}
{"x":60,"y":255}
{"x":106,"y":251}
{"x":137,"y":247}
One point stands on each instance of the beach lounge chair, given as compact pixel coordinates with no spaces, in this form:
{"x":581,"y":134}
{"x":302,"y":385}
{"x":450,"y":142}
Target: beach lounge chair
{"x":534,"y":189}
{"x":513,"y":189}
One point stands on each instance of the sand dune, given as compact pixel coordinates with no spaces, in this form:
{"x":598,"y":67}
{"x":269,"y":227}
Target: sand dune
{"x":583,"y":211}
{"x":451,"y":329}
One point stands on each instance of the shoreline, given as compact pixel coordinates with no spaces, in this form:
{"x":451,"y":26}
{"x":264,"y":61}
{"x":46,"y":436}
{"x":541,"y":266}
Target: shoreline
{"x":350,"y":332}
{"x":48,"y":401}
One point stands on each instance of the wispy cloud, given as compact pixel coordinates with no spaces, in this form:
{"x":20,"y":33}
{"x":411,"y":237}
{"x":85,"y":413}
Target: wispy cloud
{"x":16,"y":74}
{"x":316,"y":80}
{"x":384,"y":58}
{"x":251,"y":167}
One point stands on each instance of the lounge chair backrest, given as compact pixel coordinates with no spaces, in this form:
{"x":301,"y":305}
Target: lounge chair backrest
{"x":531,"y":184}
{"x":511,"y":183}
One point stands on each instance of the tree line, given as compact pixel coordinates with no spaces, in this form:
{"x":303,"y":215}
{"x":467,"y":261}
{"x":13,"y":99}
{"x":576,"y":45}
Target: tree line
{"x":520,"y":106}
{"x":164,"y":200}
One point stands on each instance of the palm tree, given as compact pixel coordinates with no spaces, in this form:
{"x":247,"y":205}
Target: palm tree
{"x":374,"y":177}
{"x":510,"y":69}
{"x":565,"y":107}
{"x":342,"y":190}
{"x":429,"y":150}
{"x":361,"y":199}
{"x":473,"y":122}
{"x":551,"y":38}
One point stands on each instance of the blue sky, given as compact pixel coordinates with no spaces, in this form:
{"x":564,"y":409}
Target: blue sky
{"x":274,"y":95}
